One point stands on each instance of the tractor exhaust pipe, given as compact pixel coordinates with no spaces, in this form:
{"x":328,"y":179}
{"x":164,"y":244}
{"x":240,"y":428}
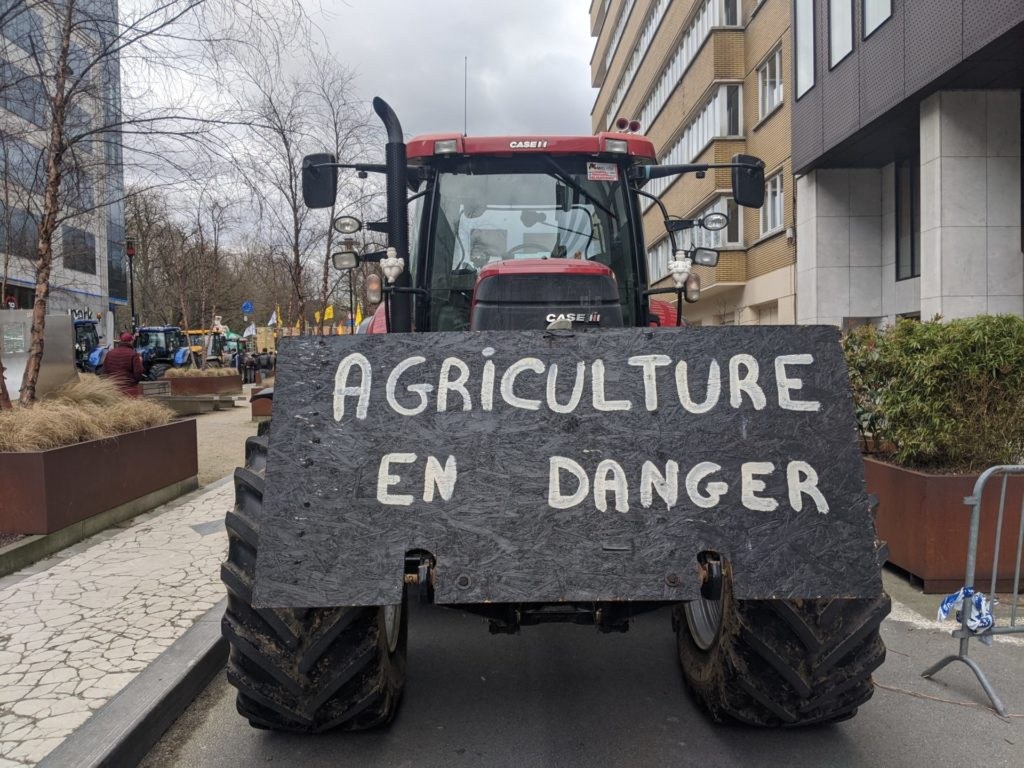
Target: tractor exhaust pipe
{"x":398,"y":212}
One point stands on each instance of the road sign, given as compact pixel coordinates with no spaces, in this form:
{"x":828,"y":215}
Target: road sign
{"x":248,"y":308}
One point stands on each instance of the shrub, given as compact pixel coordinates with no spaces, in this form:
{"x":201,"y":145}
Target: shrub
{"x":89,"y":409}
{"x":942,"y":396}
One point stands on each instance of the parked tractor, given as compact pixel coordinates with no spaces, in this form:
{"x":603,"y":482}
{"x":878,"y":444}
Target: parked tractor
{"x":162,"y":347}
{"x":207,"y":347}
{"x":89,"y":353}
{"x":528,"y":433}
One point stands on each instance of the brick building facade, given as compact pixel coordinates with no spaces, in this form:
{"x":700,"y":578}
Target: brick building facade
{"x":708,"y":79}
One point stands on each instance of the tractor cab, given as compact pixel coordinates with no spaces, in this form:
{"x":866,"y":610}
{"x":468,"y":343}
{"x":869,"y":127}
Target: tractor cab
{"x":161,"y":347}
{"x":88,"y":352}
{"x":505,"y":241}
{"x":207,"y":347}
{"x":522,"y":232}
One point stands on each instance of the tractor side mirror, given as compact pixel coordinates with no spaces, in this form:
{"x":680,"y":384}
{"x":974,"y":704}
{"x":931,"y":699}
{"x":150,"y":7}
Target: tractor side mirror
{"x":345,"y":260}
{"x":748,"y":181}
{"x":319,"y":180}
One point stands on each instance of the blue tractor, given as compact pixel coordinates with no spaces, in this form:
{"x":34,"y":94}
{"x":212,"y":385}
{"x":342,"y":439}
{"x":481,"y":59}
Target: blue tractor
{"x":162,"y":347}
{"x":89,"y":353}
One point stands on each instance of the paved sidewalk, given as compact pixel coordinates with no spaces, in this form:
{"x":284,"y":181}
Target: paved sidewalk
{"x":78,"y":627}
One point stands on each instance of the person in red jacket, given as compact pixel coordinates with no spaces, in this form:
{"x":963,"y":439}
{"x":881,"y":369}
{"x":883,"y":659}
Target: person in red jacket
{"x":123,"y":364}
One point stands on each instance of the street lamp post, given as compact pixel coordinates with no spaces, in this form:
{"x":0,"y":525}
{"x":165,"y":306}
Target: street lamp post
{"x":129,"y":251}
{"x":352,"y":300}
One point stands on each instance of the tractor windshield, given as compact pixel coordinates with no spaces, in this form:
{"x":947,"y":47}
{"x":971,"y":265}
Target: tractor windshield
{"x":161,"y":342}
{"x":563,"y":211}
{"x":86,"y":337}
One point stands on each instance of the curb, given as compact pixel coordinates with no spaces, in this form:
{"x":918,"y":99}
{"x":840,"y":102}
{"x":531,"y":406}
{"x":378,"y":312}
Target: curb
{"x":122,"y":731}
{"x":33,"y":548}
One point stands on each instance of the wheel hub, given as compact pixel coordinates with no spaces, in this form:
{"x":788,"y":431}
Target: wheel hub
{"x":704,"y":620}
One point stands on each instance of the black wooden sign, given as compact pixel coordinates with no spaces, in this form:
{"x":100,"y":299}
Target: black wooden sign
{"x":564,"y":466}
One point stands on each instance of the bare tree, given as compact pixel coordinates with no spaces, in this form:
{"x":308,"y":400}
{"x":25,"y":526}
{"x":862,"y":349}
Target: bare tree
{"x":290,"y":117}
{"x":343,"y":126}
{"x":277,"y":113}
{"x":180,"y":47}
{"x":185,"y":272}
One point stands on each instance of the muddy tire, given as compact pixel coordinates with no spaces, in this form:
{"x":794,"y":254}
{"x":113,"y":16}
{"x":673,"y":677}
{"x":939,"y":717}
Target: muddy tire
{"x":157,"y":371}
{"x":780,"y":662}
{"x":304,"y":670}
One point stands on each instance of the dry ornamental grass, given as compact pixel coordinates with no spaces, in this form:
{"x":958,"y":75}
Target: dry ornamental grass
{"x":191,"y":373}
{"x":89,"y":409}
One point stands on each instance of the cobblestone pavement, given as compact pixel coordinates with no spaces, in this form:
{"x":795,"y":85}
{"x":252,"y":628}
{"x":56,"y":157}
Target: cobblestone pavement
{"x":75,"y":629}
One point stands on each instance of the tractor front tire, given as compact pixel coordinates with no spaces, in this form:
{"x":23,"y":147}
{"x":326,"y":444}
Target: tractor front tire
{"x":779,"y":663}
{"x":304,"y":670}
{"x":157,"y":371}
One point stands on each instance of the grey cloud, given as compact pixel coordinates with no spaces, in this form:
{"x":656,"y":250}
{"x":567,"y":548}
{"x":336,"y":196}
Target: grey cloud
{"x":529,"y":61}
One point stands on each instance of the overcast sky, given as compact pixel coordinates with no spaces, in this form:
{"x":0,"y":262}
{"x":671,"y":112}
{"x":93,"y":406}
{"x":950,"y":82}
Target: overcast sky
{"x":529,"y":61}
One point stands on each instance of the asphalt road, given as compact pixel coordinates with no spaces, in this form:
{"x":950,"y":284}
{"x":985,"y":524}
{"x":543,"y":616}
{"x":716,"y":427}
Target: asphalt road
{"x":562,"y":695}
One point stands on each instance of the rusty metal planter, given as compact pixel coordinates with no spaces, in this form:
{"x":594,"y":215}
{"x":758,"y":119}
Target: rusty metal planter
{"x":261,"y":406}
{"x":925,"y":522}
{"x":206,"y":385}
{"x":45,"y":491}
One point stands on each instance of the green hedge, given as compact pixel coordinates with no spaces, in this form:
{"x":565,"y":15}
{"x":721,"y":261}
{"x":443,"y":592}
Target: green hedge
{"x":946,"y":396}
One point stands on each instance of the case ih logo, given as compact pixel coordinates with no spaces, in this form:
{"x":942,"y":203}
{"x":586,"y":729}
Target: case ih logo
{"x":575,"y":317}
{"x":527,"y":144}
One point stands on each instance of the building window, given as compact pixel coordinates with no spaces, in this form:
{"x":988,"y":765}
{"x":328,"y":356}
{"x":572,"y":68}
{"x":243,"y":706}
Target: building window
{"x":117,"y":262}
{"x":875,"y":13}
{"x":908,"y":219}
{"x":654,"y":18}
{"x":840,"y":30}
{"x":78,"y":249}
{"x":22,"y":163}
{"x":712,"y":121}
{"x":620,"y":27}
{"x":23,"y":94}
{"x":658,"y":258}
{"x":732,"y":110}
{"x":768,"y":314}
{"x":804,"y":21}
{"x":771,"y":212}
{"x":19,"y":232}
{"x":708,"y":15}
{"x":769,"y":84}
{"x":733,"y":232}
{"x":21,"y":25}
{"x":731,"y":12}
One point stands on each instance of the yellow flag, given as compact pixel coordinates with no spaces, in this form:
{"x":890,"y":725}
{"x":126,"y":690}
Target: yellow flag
{"x":359,"y":314}
{"x":329,"y":312}
{"x":316,"y":316}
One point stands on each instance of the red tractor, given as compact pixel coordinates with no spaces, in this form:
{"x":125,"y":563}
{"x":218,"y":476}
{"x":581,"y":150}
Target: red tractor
{"x":526,"y":256}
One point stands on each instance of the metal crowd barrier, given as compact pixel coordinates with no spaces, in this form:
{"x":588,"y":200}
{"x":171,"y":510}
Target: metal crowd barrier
{"x":1010,"y":626}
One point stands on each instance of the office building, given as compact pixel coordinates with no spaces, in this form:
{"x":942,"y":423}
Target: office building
{"x":89,"y":269}
{"x":907,"y":145}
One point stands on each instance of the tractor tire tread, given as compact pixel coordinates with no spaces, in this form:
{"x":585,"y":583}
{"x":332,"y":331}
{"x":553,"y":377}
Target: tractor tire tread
{"x":305,"y":670}
{"x":787,"y":662}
